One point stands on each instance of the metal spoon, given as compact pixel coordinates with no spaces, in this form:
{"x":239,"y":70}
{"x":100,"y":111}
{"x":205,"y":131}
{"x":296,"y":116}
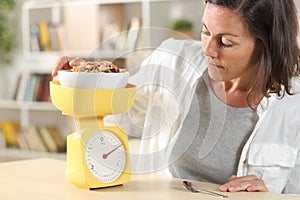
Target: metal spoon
{"x":189,"y":186}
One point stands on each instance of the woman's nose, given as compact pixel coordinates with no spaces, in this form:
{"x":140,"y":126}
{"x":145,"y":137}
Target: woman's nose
{"x":210,"y":48}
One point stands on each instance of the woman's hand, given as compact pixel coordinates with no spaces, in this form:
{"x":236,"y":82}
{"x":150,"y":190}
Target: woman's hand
{"x":65,"y":62}
{"x":248,"y":183}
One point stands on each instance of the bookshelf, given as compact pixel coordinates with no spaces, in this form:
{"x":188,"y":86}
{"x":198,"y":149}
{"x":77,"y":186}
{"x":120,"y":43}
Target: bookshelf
{"x":83,"y":29}
{"x":66,"y":21}
{"x":32,"y":115}
{"x":102,"y":25}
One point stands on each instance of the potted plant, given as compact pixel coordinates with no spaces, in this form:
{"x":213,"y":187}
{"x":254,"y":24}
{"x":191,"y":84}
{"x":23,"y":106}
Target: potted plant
{"x":7,"y":32}
{"x":184,"y":26}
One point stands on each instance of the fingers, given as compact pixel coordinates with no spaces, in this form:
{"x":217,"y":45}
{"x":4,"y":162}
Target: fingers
{"x":257,"y":187}
{"x":245,"y":183}
{"x":61,"y":63}
{"x":75,"y":61}
{"x":65,"y":62}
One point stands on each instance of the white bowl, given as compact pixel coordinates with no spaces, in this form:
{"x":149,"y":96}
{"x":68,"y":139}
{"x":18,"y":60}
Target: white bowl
{"x":86,"y":80}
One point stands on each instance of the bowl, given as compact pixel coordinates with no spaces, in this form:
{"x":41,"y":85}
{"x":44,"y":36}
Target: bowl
{"x":88,"y":80}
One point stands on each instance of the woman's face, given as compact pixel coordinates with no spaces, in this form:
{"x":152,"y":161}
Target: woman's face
{"x":228,"y":44}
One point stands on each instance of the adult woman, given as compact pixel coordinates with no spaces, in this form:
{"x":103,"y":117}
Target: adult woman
{"x":250,"y":63}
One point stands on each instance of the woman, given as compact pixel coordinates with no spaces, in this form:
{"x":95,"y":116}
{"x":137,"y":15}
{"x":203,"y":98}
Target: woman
{"x":249,"y":63}
{"x":242,"y":122}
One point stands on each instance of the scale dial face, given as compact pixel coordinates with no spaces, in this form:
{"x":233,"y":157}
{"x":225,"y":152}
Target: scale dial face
{"x":105,"y":156}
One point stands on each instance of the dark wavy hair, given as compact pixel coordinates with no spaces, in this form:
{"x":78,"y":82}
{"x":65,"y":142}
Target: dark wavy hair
{"x":274,"y":24}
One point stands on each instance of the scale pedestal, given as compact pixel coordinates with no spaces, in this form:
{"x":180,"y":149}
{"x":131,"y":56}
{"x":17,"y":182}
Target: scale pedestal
{"x":97,"y":155}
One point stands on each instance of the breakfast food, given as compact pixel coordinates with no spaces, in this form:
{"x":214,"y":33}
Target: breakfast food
{"x":96,"y":67}
{"x":94,"y":75}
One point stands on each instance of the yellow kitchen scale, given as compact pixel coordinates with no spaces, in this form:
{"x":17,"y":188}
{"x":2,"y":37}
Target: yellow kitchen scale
{"x":97,"y":155}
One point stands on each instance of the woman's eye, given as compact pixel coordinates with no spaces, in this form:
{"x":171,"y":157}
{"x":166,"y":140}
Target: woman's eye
{"x":225,"y":43}
{"x":206,"y":33}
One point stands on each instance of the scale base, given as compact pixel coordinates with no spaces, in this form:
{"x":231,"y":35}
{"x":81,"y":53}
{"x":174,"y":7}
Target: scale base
{"x":77,"y":171}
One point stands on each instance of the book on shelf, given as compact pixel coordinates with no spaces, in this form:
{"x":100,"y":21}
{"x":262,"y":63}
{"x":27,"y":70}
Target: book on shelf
{"x":34,"y":38}
{"x":9,"y":130}
{"x":12,"y":136}
{"x":45,"y":94}
{"x":58,"y":138}
{"x":20,"y":86}
{"x":17,"y":87}
{"x":53,"y":40}
{"x":24,"y":145}
{"x":45,"y":36}
{"x":61,"y":37}
{"x":33,"y":87}
{"x":48,"y":139}
{"x":30,"y":89}
{"x":2,"y":139}
{"x":133,"y":33}
{"x":117,"y":38}
{"x":34,"y":138}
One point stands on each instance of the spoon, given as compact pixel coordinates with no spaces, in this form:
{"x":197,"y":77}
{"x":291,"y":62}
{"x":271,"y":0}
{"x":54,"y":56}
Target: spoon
{"x":189,"y":186}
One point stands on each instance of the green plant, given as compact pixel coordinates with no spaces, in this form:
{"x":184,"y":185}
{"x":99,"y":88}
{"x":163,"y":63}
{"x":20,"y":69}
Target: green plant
{"x":7,"y":32}
{"x":182,"y":24}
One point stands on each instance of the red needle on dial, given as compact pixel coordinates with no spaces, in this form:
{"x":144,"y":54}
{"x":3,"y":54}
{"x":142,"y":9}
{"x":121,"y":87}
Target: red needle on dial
{"x":104,"y":156}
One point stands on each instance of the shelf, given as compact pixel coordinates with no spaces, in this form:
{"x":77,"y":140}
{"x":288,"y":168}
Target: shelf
{"x":35,"y":113}
{"x":7,"y":154}
{"x":26,"y":105}
{"x":95,"y":54}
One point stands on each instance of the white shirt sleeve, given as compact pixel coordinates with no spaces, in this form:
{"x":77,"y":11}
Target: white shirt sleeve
{"x":164,"y":86}
{"x":293,"y":185}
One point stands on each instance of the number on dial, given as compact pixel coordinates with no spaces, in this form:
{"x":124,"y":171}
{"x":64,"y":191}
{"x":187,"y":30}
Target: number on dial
{"x":105,"y":156}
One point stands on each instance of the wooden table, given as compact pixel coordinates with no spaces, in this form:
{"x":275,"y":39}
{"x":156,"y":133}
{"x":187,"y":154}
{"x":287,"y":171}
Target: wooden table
{"x":44,"y":179}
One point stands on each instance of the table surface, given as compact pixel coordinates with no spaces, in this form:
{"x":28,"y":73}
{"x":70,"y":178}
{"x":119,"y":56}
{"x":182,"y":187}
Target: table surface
{"x":45,"y":179}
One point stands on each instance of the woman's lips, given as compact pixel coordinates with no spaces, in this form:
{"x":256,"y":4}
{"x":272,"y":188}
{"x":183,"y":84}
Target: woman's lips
{"x":214,"y":66}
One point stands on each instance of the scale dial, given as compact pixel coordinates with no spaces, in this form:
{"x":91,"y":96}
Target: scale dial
{"x":105,"y":156}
